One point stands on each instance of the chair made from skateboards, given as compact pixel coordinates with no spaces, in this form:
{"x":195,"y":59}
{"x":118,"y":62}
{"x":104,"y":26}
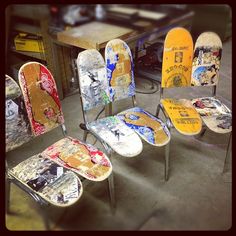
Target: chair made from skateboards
{"x":49,"y":177}
{"x":216,"y":116}
{"x":176,"y":72}
{"x":120,"y":75}
{"x":94,"y":93}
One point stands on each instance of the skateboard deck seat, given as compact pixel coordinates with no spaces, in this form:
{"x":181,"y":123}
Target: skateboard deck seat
{"x":183,"y":115}
{"x":150,"y":128}
{"x":214,"y":114}
{"x":84,"y":159}
{"x":50,"y":181}
{"x":117,"y":135}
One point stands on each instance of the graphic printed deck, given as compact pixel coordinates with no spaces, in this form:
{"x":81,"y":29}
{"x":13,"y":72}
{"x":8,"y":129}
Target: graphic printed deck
{"x":115,"y":133}
{"x":150,"y":128}
{"x":214,"y":113}
{"x":177,"y":59}
{"x":183,"y":116}
{"x":17,"y":124}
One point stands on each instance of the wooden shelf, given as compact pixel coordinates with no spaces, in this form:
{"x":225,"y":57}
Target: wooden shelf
{"x":32,"y":12}
{"x":21,"y":27}
{"x":37,"y":55}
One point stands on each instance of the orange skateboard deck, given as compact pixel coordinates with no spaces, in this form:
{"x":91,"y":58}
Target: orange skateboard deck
{"x":41,"y":97}
{"x":206,"y":60}
{"x":183,"y":115}
{"x":177,"y":58}
{"x":120,"y":73}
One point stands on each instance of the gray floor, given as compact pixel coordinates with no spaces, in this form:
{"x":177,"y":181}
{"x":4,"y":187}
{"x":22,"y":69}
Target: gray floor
{"x":196,"y":197}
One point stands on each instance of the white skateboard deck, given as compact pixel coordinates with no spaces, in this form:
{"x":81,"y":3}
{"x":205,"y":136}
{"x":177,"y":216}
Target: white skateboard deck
{"x":120,"y":138}
{"x":17,"y":124}
{"x":50,"y":181}
{"x":214,"y":114}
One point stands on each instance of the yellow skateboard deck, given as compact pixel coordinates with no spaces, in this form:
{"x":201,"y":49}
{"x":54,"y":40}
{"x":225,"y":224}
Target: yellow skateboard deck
{"x":177,"y":58}
{"x":183,"y":115}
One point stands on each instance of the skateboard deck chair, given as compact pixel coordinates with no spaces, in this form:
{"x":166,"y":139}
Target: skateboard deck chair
{"x":176,"y":72}
{"x":50,"y":177}
{"x":41,"y":178}
{"x":215,"y":115}
{"x":94,"y":92}
{"x":120,"y":75}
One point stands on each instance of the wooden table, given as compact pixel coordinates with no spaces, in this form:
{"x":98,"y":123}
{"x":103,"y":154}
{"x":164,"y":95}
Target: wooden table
{"x":93,"y":35}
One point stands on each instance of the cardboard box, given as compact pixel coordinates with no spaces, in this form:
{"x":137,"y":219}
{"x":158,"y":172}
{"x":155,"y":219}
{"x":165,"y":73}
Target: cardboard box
{"x":28,"y":43}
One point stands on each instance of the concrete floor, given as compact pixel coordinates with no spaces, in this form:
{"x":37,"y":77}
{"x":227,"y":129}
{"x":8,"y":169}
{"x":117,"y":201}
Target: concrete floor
{"x":196,"y":197}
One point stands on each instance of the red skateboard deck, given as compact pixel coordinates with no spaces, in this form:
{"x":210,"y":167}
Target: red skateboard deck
{"x":41,"y":98}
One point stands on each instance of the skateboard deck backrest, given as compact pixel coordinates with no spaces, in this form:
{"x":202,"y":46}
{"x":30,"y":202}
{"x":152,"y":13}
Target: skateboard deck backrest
{"x":41,"y":97}
{"x":120,"y":74}
{"x":17,"y":124}
{"x":206,"y":60}
{"x":177,"y":58}
{"x":92,"y":79}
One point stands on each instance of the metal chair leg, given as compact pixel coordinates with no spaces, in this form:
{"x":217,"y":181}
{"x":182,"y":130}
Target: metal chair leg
{"x":167,"y":156}
{"x":227,"y":153}
{"x":158,"y":110}
{"x":201,"y":133}
{"x":7,"y":196}
{"x":44,"y":217}
{"x":112,"y":193}
{"x":111,"y":185}
{"x":85,"y":136}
